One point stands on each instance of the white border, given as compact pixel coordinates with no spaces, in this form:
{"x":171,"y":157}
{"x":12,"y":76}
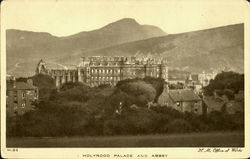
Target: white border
{"x":78,"y":152}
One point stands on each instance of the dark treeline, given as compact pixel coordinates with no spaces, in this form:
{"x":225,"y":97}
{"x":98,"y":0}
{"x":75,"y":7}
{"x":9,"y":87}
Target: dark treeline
{"x":226,"y":83}
{"x":80,"y":110}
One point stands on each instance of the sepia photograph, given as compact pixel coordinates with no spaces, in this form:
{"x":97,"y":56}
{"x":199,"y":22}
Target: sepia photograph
{"x":124,"y":79}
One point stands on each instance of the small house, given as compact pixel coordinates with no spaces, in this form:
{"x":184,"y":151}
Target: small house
{"x":184,"y":100}
{"x":20,"y":96}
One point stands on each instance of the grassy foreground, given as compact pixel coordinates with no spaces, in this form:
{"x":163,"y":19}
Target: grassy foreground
{"x":213,"y":139}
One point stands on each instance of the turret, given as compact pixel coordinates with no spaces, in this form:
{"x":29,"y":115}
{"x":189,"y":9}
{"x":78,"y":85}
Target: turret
{"x":164,"y":61}
{"x":164,"y":69}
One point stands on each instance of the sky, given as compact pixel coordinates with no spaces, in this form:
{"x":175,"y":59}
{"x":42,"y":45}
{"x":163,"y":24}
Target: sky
{"x":67,"y":17}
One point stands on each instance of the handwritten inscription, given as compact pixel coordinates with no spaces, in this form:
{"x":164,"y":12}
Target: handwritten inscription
{"x":219,"y":150}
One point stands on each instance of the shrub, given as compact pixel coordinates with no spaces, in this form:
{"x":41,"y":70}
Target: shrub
{"x":102,"y":86}
{"x":142,"y":121}
{"x":112,"y":127}
{"x":229,"y":93}
{"x":238,"y":120}
{"x":198,"y":123}
{"x":221,"y":121}
{"x":168,"y":111}
{"x":11,"y":126}
{"x":161,"y":123}
{"x":53,"y":119}
{"x":179,"y":126}
{"x":43,"y":81}
{"x":219,"y":92}
{"x":80,"y":110}
{"x":73,"y":94}
{"x":70,"y":85}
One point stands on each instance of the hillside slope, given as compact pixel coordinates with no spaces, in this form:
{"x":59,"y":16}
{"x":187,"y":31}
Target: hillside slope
{"x":25,"y":47}
{"x":34,"y":44}
{"x":215,"y":49}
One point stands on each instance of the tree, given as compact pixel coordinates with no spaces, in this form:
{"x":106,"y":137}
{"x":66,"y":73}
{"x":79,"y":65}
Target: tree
{"x":179,"y":126}
{"x":229,"y":93}
{"x":43,"y":81}
{"x":157,"y":83}
{"x":226,"y":80}
{"x":46,"y":85}
{"x":70,"y":85}
{"x":139,"y":92}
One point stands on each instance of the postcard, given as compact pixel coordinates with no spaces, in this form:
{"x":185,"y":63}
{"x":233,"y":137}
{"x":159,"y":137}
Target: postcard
{"x":125,"y":79}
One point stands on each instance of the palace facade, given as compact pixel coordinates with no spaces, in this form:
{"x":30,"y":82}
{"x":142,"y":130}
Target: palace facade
{"x":97,"y":70}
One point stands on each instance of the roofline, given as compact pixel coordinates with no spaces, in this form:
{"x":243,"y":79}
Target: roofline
{"x":183,"y":100}
{"x":21,"y":89}
{"x":186,"y":100}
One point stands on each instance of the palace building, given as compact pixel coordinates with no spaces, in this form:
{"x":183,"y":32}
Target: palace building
{"x":97,"y":70}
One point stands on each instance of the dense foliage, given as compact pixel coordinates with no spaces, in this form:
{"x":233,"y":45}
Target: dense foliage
{"x":226,"y":83}
{"x":80,"y":110}
{"x":45,"y":84}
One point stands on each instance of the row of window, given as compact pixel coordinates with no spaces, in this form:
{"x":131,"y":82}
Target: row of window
{"x":115,"y":78}
{"x":22,"y":105}
{"x":66,"y":77}
{"x":106,"y":78}
{"x":29,"y":93}
{"x":102,"y":82}
{"x":60,"y":72}
{"x":104,"y":64}
{"x":104,"y":71}
{"x":152,"y":74}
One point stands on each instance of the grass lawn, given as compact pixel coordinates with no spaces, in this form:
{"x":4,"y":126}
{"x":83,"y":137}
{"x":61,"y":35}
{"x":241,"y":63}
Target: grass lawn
{"x":212,"y":139}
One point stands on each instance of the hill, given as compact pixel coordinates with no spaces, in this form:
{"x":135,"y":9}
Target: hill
{"x":215,"y":49}
{"x":37,"y":44}
{"x":25,"y":47}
